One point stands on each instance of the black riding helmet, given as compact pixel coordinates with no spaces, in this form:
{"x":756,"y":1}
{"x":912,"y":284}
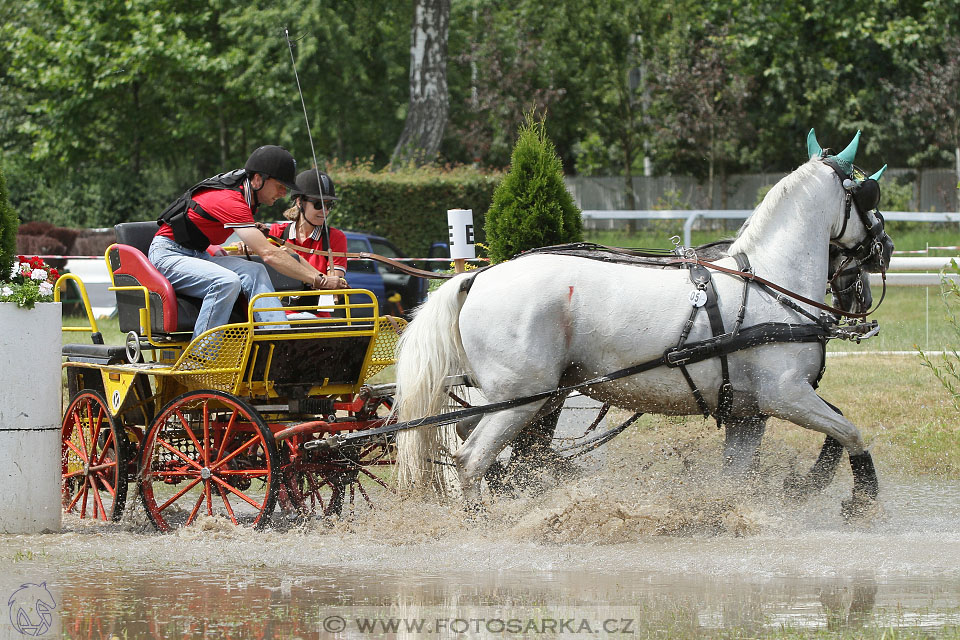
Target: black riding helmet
{"x":274,"y":162}
{"x":309,"y":186}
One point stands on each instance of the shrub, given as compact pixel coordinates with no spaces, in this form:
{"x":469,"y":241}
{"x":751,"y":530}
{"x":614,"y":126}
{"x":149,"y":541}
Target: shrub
{"x":948,"y":371}
{"x":8,"y":231}
{"x":39,"y":246}
{"x":409,"y":206}
{"x":531,"y":206}
{"x":35,"y":228}
{"x":93,"y":243}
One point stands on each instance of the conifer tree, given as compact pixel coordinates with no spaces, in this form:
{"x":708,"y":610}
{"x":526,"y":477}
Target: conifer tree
{"x":531,"y":206}
{"x":8,"y":231}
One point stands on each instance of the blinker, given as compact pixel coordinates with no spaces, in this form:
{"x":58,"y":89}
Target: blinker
{"x":866,"y":195}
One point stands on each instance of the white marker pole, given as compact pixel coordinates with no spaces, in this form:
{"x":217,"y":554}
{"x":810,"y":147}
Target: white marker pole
{"x":462,"y":243}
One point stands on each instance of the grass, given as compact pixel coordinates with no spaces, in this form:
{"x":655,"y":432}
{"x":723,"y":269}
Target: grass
{"x":905,"y":416}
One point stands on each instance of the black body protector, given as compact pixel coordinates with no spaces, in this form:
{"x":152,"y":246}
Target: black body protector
{"x":176,"y":215}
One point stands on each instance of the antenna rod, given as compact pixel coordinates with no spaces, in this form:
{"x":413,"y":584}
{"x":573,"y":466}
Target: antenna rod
{"x":313,"y":151}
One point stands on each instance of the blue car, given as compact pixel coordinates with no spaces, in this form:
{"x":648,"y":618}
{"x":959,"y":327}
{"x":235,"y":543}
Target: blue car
{"x":397,"y":292}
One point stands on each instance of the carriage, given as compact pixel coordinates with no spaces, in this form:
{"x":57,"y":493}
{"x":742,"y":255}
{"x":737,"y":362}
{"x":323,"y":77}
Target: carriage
{"x":248,"y":415}
{"x":216,"y":426}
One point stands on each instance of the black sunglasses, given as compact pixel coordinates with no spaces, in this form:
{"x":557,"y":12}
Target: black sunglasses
{"x":317,"y":204}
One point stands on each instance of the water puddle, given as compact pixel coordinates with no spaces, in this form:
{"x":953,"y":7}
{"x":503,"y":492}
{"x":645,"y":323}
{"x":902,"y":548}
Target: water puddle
{"x":652,"y":554}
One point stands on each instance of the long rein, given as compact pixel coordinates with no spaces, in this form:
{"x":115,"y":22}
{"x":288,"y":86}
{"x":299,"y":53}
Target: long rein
{"x":752,"y":277}
{"x":746,"y":275}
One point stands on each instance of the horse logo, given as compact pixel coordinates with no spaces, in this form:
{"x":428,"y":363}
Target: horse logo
{"x":31,"y":609}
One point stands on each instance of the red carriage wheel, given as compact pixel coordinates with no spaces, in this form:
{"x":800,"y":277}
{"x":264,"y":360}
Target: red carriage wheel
{"x":208,"y":453}
{"x":94,"y":461}
{"x":321,"y":484}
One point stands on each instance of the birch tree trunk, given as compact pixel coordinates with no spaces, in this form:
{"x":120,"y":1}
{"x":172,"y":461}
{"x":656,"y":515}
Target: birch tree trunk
{"x":429,"y":102}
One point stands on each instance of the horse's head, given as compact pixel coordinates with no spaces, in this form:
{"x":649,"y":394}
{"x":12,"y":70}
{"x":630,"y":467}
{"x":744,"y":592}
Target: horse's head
{"x":848,"y":284}
{"x":861,"y":239}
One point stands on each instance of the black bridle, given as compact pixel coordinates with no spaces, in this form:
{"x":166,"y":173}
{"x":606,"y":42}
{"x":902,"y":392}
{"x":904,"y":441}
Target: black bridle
{"x":873,"y":251}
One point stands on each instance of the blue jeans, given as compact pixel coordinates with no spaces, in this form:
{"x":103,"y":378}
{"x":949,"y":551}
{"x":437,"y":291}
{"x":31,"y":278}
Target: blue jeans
{"x":218,"y":280}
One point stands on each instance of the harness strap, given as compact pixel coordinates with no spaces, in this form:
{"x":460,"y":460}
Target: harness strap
{"x":756,"y":335}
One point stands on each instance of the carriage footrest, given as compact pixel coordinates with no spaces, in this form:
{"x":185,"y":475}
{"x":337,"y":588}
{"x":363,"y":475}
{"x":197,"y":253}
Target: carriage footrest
{"x":95,"y":353}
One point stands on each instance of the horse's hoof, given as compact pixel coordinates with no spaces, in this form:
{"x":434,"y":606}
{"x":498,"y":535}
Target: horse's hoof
{"x":860,"y":508}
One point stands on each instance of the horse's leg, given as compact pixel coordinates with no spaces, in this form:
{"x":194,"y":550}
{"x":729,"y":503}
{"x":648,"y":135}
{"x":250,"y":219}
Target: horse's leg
{"x":866,"y":488}
{"x":820,"y":474}
{"x":822,"y":471}
{"x":741,"y":444}
{"x":805,"y":408}
{"x":494,"y":432}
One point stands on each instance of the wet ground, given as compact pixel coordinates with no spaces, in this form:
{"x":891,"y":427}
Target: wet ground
{"x":652,"y":550}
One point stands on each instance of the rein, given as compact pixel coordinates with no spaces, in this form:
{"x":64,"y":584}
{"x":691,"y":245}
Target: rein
{"x":747,"y":275}
{"x":660,"y":256}
{"x":413,"y":271}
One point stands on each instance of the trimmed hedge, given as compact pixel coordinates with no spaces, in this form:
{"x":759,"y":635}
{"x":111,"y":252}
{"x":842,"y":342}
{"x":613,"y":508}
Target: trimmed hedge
{"x":409,"y":206}
{"x":8,"y":231}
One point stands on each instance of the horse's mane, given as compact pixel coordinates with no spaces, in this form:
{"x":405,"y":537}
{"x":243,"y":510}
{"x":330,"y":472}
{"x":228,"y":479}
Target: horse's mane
{"x":755,"y":231}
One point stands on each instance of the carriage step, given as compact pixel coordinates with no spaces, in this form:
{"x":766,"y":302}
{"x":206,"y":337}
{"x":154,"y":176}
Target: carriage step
{"x":95,"y":353}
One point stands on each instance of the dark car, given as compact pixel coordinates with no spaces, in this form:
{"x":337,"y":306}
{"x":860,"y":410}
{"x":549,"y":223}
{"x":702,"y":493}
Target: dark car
{"x":401,"y":291}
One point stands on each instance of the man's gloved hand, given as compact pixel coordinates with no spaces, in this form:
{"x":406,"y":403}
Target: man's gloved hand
{"x":323,"y":281}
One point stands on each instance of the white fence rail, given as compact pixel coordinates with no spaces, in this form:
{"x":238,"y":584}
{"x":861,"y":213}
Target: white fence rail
{"x":691,"y":216}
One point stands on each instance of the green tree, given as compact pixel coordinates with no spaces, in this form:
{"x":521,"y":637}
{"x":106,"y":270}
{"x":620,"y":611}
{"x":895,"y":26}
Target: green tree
{"x":531,"y":206}
{"x":8,"y":231}
{"x":700,"y":115}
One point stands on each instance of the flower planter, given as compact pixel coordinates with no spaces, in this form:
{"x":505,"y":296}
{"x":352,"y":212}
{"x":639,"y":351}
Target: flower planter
{"x":30,"y":418}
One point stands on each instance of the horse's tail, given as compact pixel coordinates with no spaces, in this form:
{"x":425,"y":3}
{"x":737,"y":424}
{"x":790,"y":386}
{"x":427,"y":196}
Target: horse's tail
{"x":429,"y":350}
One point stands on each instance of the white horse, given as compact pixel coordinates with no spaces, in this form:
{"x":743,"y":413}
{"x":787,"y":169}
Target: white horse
{"x":544,"y":321}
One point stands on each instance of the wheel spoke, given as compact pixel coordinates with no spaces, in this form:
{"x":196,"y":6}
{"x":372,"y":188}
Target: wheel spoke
{"x":178,"y":494}
{"x":80,"y":493}
{"x":363,"y":492}
{"x":97,"y":502}
{"x":226,"y":503}
{"x":226,"y":434}
{"x":186,"y":427}
{"x":236,"y":452}
{"x":79,"y":421}
{"x":206,"y":492}
{"x":375,"y":478}
{"x":205,"y":449}
{"x":196,"y":507}
{"x":95,"y":436}
{"x":108,"y":446}
{"x":237,"y":492}
{"x":106,"y":485}
{"x":177,"y":452}
{"x":80,"y":453}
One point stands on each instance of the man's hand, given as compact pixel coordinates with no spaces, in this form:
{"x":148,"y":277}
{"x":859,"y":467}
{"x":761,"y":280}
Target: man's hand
{"x":323,"y":281}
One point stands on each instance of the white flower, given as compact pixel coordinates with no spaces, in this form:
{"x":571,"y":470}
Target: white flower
{"x":38,"y":274}
{"x":6,"y":291}
{"x":16,"y":269}
{"x":46,"y":289}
